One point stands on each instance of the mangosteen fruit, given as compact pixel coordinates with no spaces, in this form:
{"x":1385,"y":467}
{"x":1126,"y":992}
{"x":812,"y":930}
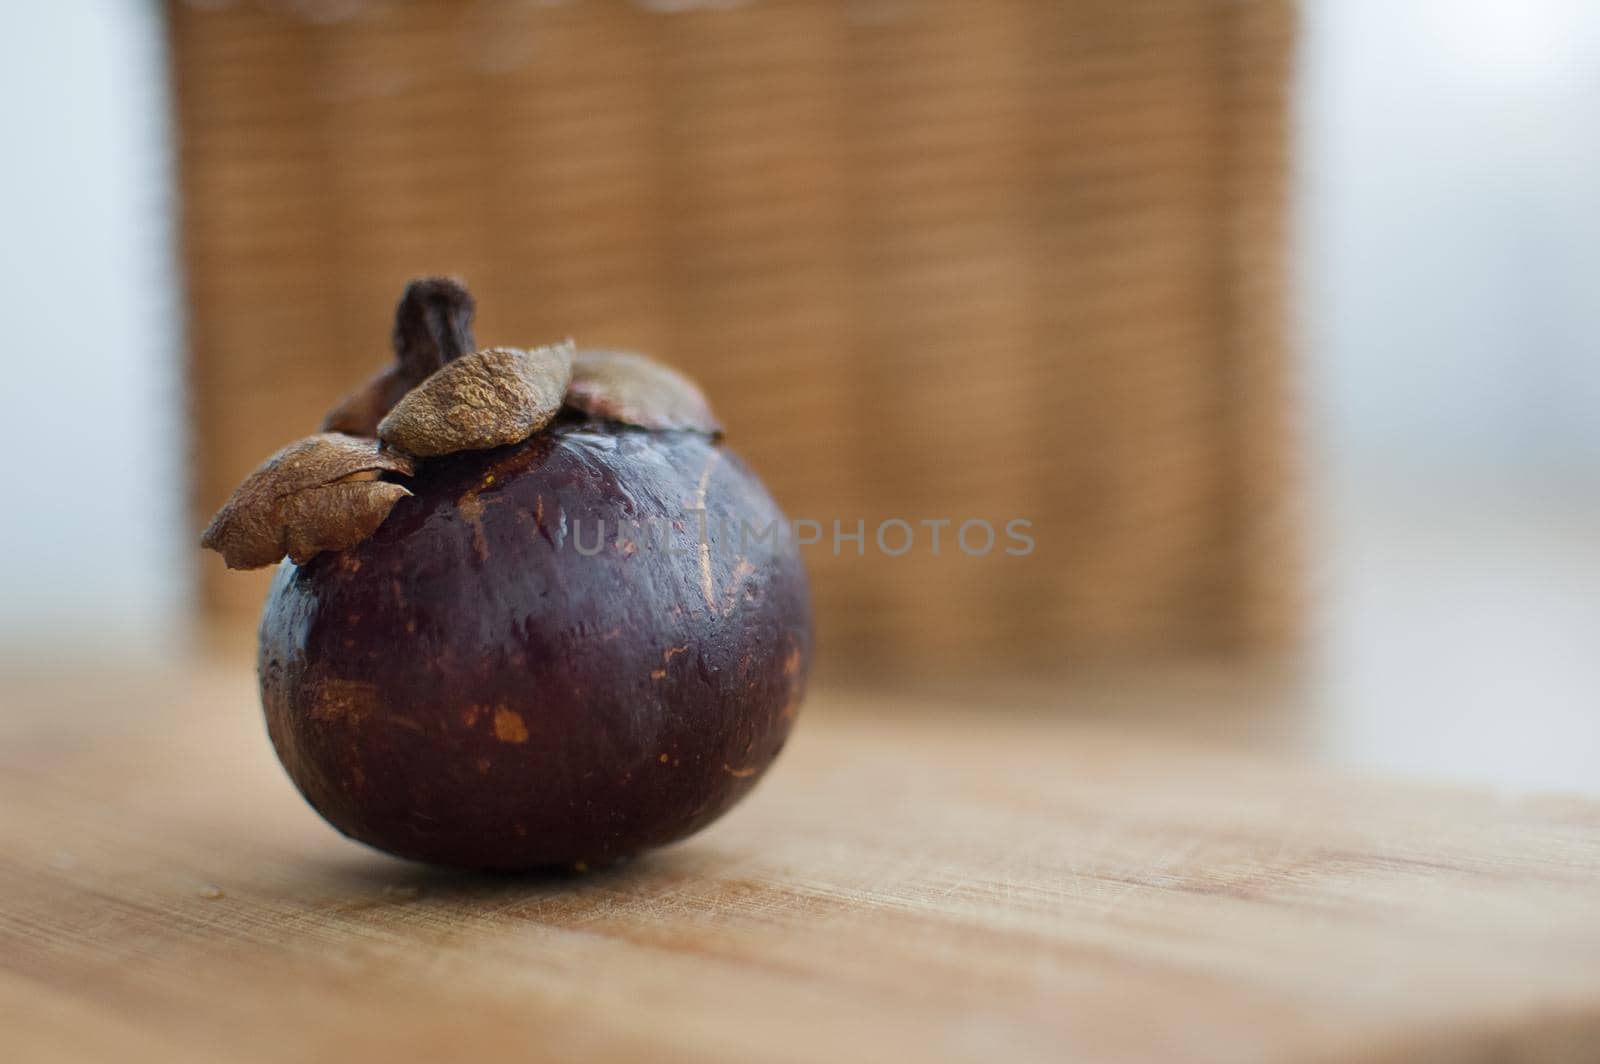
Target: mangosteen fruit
{"x":530,"y":610}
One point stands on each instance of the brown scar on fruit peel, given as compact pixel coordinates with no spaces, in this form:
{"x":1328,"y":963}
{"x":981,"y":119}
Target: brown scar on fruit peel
{"x":666,"y":656}
{"x":509,"y":726}
{"x":738,"y":773}
{"x":350,"y":701}
{"x":741,"y":572}
{"x":471,"y":507}
{"x":707,"y":587}
{"x":318,"y":493}
{"x":510,"y":465}
{"x":490,"y":398}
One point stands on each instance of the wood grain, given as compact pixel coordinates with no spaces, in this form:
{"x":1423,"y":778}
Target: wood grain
{"x":914,"y":882}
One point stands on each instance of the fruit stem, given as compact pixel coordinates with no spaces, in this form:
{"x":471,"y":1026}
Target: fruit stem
{"x":432,"y":325}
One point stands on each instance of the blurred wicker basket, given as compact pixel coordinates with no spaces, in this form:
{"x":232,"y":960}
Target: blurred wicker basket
{"x":934,"y":259}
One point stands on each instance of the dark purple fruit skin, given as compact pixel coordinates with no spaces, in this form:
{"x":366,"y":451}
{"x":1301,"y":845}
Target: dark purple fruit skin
{"x":467,"y":688}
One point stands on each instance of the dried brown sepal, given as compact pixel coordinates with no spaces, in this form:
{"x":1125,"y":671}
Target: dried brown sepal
{"x":635,"y":390}
{"x":336,"y":516}
{"x":432,"y":326}
{"x":286,"y":505}
{"x":359,"y":412}
{"x":486,"y":399}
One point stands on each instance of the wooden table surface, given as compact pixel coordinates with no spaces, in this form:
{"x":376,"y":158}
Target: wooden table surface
{"x":912,"y":882}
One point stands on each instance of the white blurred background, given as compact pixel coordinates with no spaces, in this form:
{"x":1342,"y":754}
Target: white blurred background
{"x":1448,"y":250}
{"x":94,"y":477}
{"x":1450,"y":310}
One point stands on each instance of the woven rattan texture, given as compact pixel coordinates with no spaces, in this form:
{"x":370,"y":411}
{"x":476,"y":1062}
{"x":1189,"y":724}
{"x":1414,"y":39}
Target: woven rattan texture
{"x":932,"y":260}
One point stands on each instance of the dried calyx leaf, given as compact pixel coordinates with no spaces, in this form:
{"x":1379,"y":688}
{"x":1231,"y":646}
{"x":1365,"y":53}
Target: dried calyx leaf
{"x":432,"y":326}
{"x":319,"y":493}
{"x":337,"y":516}
{"x":620,"y":386}
{"x":486,"y":399}
{"x":359,"y":412}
